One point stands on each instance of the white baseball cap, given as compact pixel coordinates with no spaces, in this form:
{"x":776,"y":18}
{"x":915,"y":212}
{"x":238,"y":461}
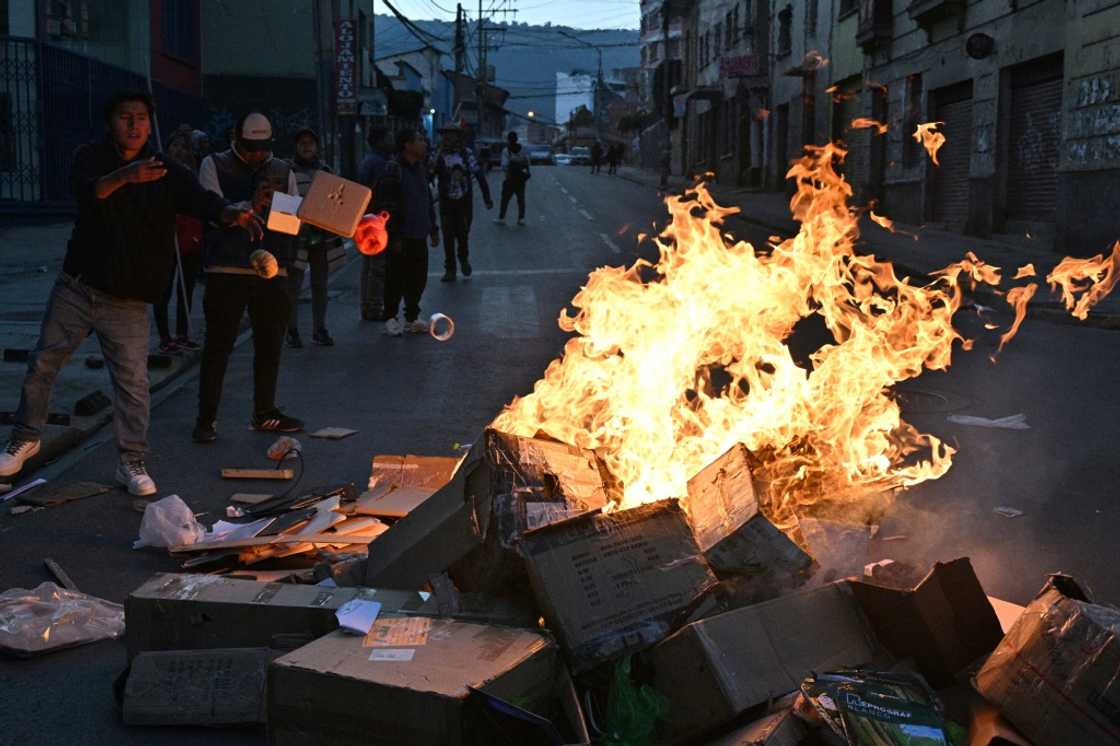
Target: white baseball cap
{"x":256,"y":132}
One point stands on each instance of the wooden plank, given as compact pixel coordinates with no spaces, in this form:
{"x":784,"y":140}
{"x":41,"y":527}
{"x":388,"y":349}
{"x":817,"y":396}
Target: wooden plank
{"x":63,"y":579}
{"x":263,"y":541}
{"x":258,"y":473}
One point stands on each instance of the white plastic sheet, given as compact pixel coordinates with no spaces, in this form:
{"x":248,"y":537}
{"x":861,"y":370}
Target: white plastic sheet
{"x":49,"y":618}
{"x":168,"y":523}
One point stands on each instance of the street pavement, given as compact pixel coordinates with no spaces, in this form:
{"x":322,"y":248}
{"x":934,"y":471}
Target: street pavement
{"x":416,"y":395}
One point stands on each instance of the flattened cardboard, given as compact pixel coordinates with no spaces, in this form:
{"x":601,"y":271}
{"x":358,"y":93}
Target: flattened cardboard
{"x":713,"y":670}
{"x":192,"y":612}
{"x":944,"y":624}
{"x":331,"y":692}
{"x":610,"y":584}
{"x":776,"y":729}
{"x":1056,"y":675}
{"x":438,"y":532}
{"x":197,"y":687}
{"x":334,"y":204}
{"x":58,"y":495}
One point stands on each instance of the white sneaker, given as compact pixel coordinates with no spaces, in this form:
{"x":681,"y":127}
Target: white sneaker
{"x":417,"y":327}
{"x":132,"y":474}
{"x":393,"y":327}
{"x":499,"y":221}
{"x":16,"y":454}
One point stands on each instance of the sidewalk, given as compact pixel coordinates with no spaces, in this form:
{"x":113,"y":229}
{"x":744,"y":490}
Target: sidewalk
{"x":30,"y":259}
{"x":933,"y":250}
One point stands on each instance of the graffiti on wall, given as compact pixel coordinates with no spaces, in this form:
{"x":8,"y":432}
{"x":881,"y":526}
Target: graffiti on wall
{"x":1093,"y":131}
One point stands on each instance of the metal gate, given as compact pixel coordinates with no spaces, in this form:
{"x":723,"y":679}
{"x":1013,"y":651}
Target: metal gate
{"x":1032,"y":177}
{"x":953,"y":107}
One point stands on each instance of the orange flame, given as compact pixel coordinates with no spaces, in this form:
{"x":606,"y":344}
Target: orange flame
{"x":867,"y":123}
{"x":888,"y":224}
{"x":1027,"y":270}
{"x":1017,"y":298}
{"x":1092,"y":279}
{"x":930,"y":140}
{"x":975,"y":268}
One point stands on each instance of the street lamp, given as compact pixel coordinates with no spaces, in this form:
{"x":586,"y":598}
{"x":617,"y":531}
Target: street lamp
{"x":532,"y":114}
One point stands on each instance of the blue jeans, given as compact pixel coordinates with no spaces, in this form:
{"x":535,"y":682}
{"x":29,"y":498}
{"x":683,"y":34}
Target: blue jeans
{"x":73,"y":312}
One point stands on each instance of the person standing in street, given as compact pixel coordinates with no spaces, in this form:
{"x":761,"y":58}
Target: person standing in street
{"x":515,"y":166}
{"x":374,"y":267}
{"x":312,"y":247}
{"x":402,"y":191}
{"x":596,"y":157}
{"x":188,"y":239}
{"x":242,"y":275}
{"x":456,"y":169}
{"x":120,"y":259}
{"x":614,"y":156}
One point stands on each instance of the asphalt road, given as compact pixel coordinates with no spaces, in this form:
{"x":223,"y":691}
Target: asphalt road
{"x":416,"y":395}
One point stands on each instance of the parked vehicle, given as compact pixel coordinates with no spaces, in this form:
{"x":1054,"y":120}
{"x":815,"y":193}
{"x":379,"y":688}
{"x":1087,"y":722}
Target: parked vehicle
{"x":563,"y":159}
{"x":541,"y":155}
{"x":581,"y":155}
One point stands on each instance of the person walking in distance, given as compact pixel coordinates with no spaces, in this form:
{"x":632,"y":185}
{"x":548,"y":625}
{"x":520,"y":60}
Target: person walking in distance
{"x":374,"y":267}
{"x":596,"y":157}
{"x":119,"y":260}
{"x":614,"y":157}
{"x":312,"y":247}
{"x":402,"y":191}
{"x":241,"y":276}
{"x":515,"y":166}
{"x":456,"y":169}
{"x":188,"y":236}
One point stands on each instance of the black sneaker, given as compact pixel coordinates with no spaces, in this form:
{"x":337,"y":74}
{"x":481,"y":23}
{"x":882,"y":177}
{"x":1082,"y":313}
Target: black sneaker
{"x":466,"y":267}
{"x":294,"y":340}
{"x":276,"y":422}
{"x":448,"y":276}
{"x":322,"y":338}
{"x":204,"y":432}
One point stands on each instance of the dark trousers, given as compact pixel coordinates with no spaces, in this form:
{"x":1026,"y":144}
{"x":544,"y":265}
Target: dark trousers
{"x":192,"y":263}
{"x":227,"y":298}
{"x":407,"y":277}
{"x":511,"y":188}
{"x":455,"y":219}
{"x":373,"y":285}
{"x":317,"y":264}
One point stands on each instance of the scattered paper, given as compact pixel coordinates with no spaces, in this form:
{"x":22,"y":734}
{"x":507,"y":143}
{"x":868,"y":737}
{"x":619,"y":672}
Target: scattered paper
{"x":224,"y":530}
{"x":397,"y":654}
{"x":327,"y":583}
{"x":398,"y":632}
{"x":18,"y":509}
{"x":357,"y":616}
{"x":1011,"y":422}
{"x":1007,"y":512}
{"x":22,"y":489}
{"x":333,"y":433}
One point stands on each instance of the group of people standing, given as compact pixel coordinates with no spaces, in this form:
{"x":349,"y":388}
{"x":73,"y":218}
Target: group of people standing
{"x":612,"y":154}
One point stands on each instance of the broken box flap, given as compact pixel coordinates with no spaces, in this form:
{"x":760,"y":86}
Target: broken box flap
{"x":552,"y":471}
{"x":721,"y":497}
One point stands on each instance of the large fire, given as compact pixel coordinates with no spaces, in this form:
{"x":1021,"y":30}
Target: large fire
{"x":674,"y":362}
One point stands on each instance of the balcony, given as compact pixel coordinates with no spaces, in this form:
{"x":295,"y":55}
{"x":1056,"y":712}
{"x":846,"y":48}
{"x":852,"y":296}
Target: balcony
{"x":874,"y":30}
{"x":928,"y":12}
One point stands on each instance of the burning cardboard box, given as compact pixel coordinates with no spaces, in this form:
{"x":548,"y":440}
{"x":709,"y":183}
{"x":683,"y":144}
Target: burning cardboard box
{"x":398,"y":484}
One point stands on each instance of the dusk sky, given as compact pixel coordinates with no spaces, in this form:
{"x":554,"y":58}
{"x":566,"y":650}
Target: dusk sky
{"x":574,"y":13}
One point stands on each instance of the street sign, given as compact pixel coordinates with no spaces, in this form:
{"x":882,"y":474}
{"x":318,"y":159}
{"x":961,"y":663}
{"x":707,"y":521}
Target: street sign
{"x":346,"y":73}
{"x":742,"y":66}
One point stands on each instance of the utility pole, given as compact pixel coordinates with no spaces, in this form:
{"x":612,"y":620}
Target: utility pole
{"x":597,"y":101}
{"x":481,"y":79}
{"x":460,"y":51}
{"x":667,"y":142}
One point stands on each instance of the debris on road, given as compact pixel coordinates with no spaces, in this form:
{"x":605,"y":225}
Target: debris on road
{"x":235,"y":473}
{"x":49,"y":618}
{"x":167,"y":523}
{"x":60,"y":575}
{"x":1008,"y":512}
{"x":1011,"y":422}
{"x":333,"y":433}
{"x":54,"y":496}
{"x":24,"y":488}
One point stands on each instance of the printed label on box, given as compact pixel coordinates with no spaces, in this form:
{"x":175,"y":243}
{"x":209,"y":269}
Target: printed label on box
{"x":393,"y":654}
{"x":398,"y":632}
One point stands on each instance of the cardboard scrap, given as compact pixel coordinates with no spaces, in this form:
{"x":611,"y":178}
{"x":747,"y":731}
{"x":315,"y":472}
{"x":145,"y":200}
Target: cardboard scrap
{"x":1056,"y":675}
{"x":249,"y":498}
{"x":58,"y":495}
{"x":232,"y":473}
{"x":780,"y":728}
{"x":197,"y":687}
{"x":333,"y":433}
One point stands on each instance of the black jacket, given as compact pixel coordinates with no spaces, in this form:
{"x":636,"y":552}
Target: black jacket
{"x":402,"y":191}
{"x":124,"y":245}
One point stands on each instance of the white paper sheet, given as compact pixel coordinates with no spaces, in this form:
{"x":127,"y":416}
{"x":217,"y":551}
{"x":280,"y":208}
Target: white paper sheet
{"x":357,"y":616}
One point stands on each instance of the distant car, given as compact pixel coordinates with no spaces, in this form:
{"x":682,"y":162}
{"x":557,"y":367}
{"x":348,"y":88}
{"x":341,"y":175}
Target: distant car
{"x":541,"y":155}
{"x":581,"y":155}
{"x":563,"y":159}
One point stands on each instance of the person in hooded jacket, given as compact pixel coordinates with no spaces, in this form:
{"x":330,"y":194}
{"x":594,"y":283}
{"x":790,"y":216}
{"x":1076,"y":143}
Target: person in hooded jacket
{"x":456,"y":169}
{"x":312,"y":247}
{"x":515,"y":165}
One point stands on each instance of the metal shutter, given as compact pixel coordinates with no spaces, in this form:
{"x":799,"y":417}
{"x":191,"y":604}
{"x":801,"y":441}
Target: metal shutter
{"x":1032,"y":178}
{"x":851,"y":107}
{"x":950,"y":179}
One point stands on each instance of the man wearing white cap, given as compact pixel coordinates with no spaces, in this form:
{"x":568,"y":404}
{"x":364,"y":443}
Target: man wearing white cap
{"x":244,"y":275}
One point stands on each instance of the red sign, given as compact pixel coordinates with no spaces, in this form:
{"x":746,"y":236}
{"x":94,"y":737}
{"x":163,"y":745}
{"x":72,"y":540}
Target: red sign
{"x":346,"y":67}
{"x":743,"y":66}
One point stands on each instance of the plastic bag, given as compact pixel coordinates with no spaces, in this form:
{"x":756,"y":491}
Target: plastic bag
{"x":168,"y":523}
{"x":284,"y":447}
{"x":49,"y":618}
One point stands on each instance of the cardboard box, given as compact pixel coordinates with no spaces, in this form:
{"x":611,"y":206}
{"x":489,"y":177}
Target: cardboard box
{"x":1056,"y":675}
{"x":944,"y":624}
{"x":192,"y":612}
{"x":197,"y":687}
{"x":339,"y":691}
{"x":734,"y":535}
{"x":545,"y":471}
{"x":398,"y":484}
{"x":282,"y":213}
{"x":614,"y":583}
{"x":715,"y":669}
{"x":438,"y":532}
{"x":334,"y":204}
{"x":776,"y":729}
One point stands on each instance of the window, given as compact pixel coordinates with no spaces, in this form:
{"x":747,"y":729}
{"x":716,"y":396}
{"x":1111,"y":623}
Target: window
{"x":847,"y":6}
{"x":811,"y":18}
{"x":912,"y":117}
{"x":179,"y":28}
{"x":674,"y":49}
{"x":729,"y":32}
{"x":785,"y":31}
{"x":8,"y":141}
{"x":728,"y":127}
{"x":735,"y":33}
{"x":718,"y":39}
{"x":3,"y":22}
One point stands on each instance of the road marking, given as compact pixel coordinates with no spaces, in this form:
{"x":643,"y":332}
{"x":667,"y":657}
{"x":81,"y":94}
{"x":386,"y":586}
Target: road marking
{"x":610,"y":244}
{"x":510,"y":312}
{"x":573,"y":199}
{"x":562,"y":189}
{"x":585,"y":213}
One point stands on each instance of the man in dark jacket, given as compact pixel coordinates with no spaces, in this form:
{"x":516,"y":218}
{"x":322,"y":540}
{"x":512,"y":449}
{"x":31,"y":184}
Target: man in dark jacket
{"x":242,"y":275}
{"x":402,"y":191}
{"x":456,"y":170}
{"x":374,"y":267}
{"x":312,"y":246}
{"x":119,"y":260}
